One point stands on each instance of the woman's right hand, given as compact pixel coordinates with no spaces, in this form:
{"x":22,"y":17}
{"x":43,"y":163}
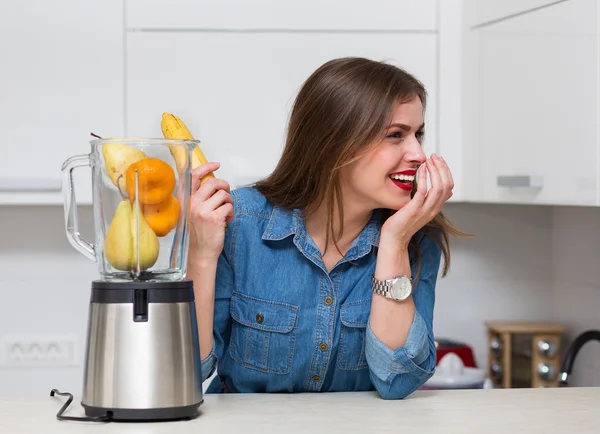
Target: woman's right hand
{"x":211,"y":207}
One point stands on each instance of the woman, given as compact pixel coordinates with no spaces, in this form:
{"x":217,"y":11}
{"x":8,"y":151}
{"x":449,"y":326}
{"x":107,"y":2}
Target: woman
{"x":325,"y":278}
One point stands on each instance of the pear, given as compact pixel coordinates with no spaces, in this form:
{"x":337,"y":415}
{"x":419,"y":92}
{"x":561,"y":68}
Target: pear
{"x":144,"y":237}
{"x":128,"y":232}
{"x":117,"y":158}
{"x":118,"y":245}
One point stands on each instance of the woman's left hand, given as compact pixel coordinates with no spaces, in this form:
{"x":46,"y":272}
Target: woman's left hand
{"x":423,"y":207}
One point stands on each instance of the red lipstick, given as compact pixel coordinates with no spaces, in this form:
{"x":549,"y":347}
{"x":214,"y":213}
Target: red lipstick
{"x":404,"y":184}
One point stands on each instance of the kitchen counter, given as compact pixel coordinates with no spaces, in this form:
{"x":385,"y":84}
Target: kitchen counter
{"x":549,"y":410}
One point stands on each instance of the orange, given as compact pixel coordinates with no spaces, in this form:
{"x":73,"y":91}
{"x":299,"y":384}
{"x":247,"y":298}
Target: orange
{"x":156,"y":181}
{"x":162,"y":217}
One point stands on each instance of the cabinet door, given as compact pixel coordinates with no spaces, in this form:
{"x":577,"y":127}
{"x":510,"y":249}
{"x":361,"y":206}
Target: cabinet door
{"x":235,"y":90}
{"x":61,"y":78}
{"x":283,"y":15}
{"x":480,"y":12}
{"x":538,"y":106}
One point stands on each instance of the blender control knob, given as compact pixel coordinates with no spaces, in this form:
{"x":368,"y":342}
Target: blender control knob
{"x":546,"y":371}
{"x":496,"y":345}
{"x":546,"y":348}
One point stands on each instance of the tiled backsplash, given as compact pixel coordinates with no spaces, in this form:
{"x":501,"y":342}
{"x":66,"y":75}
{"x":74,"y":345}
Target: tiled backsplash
{"x":524,"y":263}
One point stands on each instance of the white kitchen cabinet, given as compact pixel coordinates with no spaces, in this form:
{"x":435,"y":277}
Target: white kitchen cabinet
{"x":534,"y":106}
{"x":61,"y":78}
{"x":244,"y":15}
{"x":482,"y":12}
{"x":234,"y":90}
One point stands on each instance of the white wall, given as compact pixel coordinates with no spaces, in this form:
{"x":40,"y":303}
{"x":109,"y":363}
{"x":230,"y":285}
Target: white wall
{"x":503,"y":273}
{"x":576,"y":289}
{"x":524,"y":263}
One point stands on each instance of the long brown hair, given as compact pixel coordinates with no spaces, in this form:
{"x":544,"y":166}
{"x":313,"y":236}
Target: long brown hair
{"x":344,"y":106}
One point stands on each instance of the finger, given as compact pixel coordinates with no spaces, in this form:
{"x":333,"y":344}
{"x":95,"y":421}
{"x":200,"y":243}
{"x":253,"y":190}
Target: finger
{"x":436,"y":183}
{"x":216,"y":200}
{"x":446,"y":169}
{"x":200,"y":172}
{"x":211,"y":186}
{"x":421,"y":192}
{"x":445,"y":174}
{"x":225,"y":213}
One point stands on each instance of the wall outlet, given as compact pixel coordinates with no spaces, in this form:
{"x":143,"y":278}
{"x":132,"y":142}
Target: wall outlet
{"x":38,"y":351}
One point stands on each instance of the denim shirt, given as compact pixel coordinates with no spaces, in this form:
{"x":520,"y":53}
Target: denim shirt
{"x":283,"y":323}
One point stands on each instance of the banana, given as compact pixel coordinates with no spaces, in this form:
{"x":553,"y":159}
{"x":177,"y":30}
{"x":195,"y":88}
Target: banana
{"x":174,"y":128}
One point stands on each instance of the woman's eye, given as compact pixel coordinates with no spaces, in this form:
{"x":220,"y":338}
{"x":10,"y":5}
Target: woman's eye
{"x":420,"y":134}
{"x":396,"y":135}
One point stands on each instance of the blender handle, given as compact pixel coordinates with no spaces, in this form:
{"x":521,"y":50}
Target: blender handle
{"x":72,"y":222}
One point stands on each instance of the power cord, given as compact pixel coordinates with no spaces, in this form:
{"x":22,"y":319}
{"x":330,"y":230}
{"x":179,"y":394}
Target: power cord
{"x":59,"y":415}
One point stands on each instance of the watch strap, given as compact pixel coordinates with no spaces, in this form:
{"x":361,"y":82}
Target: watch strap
{"x":382,"y":287}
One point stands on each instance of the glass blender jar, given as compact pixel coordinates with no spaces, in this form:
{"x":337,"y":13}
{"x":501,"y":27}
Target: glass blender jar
{"x":142,"y":355}
{"x":141,"y":198}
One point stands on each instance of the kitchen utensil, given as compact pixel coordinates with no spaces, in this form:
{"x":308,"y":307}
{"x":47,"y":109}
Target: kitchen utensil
{"x":142,"y":355}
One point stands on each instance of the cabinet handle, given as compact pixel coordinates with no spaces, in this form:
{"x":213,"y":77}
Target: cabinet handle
{"x":21,"y":185}
{"x":520,"y":181}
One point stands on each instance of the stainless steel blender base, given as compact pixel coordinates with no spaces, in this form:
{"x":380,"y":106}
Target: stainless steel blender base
{"x":143,"y":352}
{"x":145,"y":414}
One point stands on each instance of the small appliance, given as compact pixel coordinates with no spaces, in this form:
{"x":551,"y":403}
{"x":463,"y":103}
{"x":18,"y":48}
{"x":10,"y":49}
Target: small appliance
{"x":142,"y":353}
{"x":445,"y":346}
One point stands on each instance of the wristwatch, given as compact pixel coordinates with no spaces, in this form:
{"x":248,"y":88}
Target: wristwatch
{"x":399,"y":288}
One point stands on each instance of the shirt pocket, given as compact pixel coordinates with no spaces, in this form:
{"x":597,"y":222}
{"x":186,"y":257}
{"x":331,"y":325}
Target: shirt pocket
{"x":263,"y":334}
{"x":354,"y":317}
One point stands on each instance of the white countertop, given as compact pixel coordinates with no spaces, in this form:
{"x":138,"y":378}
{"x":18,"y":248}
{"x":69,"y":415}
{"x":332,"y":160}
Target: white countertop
{"x":560,"y":410}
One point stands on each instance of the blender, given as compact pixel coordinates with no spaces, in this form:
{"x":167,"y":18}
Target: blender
{"x":142,"y":354}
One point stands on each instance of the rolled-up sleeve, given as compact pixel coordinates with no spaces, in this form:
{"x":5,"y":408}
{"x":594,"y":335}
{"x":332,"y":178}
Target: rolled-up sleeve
{"x":397,"y":373}
{"x":209,"y":365}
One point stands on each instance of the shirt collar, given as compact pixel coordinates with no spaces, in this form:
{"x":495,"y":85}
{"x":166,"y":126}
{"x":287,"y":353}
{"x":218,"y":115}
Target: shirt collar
{"x":284,"y":222}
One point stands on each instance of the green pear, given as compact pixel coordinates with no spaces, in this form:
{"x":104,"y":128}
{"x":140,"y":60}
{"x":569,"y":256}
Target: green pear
{"x":121,"y":243}
{"x":117,"y":158}
{"x":118,"y":244}
{"x":144,"y":237}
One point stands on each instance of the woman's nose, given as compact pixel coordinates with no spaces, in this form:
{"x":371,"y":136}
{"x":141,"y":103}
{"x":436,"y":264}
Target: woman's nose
{"x":415,"y":154}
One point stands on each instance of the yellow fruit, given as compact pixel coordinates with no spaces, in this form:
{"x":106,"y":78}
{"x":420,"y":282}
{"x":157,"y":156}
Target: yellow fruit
{"x":117,"y":158}
{"x":174,"y":128}
{"x":128,"y":232}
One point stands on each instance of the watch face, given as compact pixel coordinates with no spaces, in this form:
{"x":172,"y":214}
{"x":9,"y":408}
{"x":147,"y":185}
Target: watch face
{"x":401,"y":288}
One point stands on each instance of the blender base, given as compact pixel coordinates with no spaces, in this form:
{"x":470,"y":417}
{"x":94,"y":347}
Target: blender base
{"x":187,"y":412}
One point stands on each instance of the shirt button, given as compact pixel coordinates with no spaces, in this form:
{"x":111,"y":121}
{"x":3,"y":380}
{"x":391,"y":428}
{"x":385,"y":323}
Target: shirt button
{"x":316,"y":378}
{"x":323,"y":346}
{"x":328,"y":300}
{"x":260,"y":318}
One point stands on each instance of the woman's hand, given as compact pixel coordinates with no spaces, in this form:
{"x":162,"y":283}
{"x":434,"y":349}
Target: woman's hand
{"x":423,"y":207}
{"x":211,"y":207}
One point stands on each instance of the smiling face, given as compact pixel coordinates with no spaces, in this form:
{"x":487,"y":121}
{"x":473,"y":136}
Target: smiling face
{"x":383,"y":177}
